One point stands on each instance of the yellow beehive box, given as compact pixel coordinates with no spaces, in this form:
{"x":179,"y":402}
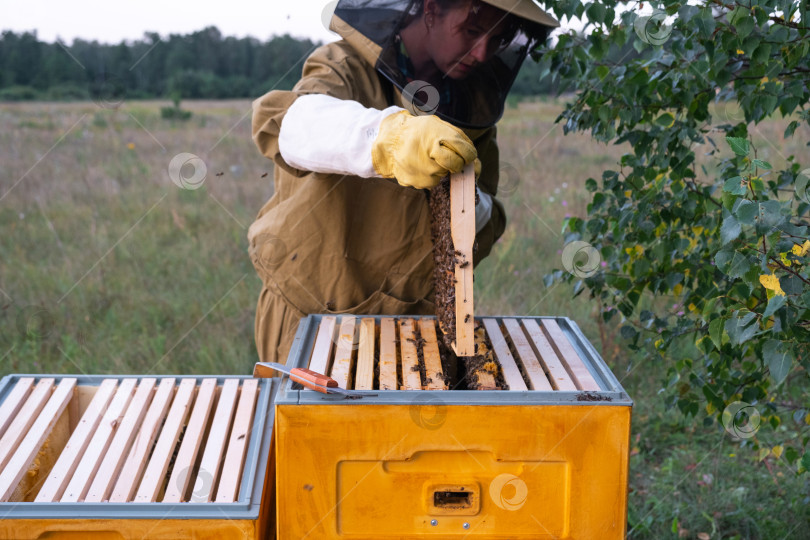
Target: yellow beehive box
{"x":99,"y":457}
{"x":546,"y":457}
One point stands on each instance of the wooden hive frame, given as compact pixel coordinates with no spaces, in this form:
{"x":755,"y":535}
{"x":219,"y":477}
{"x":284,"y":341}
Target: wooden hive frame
{"x":127,"y":439}
{"x":531,"y":354}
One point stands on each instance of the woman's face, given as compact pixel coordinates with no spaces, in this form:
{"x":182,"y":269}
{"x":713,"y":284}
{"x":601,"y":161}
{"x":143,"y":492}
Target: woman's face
{"x":459,"y":38}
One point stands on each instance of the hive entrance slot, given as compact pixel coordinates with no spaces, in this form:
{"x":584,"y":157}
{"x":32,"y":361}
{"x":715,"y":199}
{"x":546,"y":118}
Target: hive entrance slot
{"x":452,"y":499}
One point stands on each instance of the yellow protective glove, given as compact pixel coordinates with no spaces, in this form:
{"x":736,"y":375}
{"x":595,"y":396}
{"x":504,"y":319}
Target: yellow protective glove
{"x":420,"y":150}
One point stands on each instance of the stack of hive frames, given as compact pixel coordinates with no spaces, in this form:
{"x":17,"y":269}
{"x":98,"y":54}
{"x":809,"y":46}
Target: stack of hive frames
{"x":191,"y":450}
{"x":385,"y":353}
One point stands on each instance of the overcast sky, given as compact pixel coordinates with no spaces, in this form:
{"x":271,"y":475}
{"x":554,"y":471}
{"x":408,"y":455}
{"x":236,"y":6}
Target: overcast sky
{"x":113,"y":21}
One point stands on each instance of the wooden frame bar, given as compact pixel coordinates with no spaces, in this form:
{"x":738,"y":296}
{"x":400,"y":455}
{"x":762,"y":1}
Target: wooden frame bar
{"x":155,"y":473}
{"x":411,"y":376}
{"x":462,"y":230}
{"x":511,"y":373}
{"x":91,"y":460}
{"x":430,"y":353}
{"x":136,"y":460}
{"x":65,"y":466}
{"x":111,"y":465}
{"x":342,"y":368}
{"x":228,"y":489}
{"x":320,"y":362}
{"x":388,"y":354}
{"x":582,"y":377}
{"x":558,"y":376}
{"x":364,"y":375}
{"x":209,"y":470}
{"x":18,"y":465}
{"x":14,"y":402}
{"x":531,"y":366}
{"x":26,"y":416}
{"x":192,"y":442}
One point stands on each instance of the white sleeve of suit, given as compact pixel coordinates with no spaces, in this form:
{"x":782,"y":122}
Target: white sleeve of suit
{"x":325,"y":134}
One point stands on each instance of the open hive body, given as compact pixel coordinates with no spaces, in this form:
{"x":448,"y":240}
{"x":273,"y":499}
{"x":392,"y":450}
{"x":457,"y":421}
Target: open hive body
{"x":540,"y":450}
{"x":134,"y":457}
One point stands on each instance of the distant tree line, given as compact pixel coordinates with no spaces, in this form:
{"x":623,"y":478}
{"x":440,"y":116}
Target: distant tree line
{"x":203,"y":64}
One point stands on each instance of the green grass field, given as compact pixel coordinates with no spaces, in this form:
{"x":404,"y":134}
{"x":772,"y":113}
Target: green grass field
{"x":106,"y":266}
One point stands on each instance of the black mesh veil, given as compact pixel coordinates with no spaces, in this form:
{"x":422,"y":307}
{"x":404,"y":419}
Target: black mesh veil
{"x":476,"y":101}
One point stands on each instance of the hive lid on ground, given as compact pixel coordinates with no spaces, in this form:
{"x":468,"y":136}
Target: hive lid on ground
{"x":538,"y":360}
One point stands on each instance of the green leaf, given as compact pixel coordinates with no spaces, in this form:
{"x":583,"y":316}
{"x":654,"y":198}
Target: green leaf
{"x":744,"y":26}
{"x":734,"y":186}
{"x":665,"y":120}
{"x":739,"y":145}
{"x":704,"y":344}
{"x":792,"y":285}
{"x":732,"y":263}
{"x":762,"y":164}
{"x":730,"y":229}
{"x":602,"y":71}
{"x":777,"y":357}
{"x":741,"y":326}
{"x":628,"y":332}
{"x":595,"y":12}
{"x":791,"y":455}
{"x":806,"y":461}
{"x":770,"y":216}
{"x":716,"y":332}
{"x":776,"y":302}
{"x":705,"y":24}
{"x":745,"y":211}
{"x":802,"y":193}
{"x":708,"y":309}
{"x":761,"y":53}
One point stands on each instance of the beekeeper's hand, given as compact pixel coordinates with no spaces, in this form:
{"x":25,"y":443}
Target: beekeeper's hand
{"x":329,"y":135}
{"x":420,"y":150}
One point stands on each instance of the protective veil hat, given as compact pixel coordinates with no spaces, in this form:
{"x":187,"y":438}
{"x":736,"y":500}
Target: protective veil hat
{"x":372,"y":27}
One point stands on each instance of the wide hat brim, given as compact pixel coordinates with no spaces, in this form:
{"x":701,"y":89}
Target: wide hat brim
{"x":525,"y":9}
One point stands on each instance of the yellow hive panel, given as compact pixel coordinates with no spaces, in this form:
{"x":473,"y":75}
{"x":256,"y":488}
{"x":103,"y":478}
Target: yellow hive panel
{"x":127,"y":529}
{"x":373,"y":471}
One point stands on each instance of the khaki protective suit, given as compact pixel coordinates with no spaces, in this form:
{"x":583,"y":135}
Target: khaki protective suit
{"x":343,"y":244}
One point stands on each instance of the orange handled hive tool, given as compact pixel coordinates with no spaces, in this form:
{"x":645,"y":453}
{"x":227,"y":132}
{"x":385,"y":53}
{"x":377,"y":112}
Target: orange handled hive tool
{"x":308,"y":378}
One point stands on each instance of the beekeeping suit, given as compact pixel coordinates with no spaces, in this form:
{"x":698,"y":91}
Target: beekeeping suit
{"x":346,"y":230}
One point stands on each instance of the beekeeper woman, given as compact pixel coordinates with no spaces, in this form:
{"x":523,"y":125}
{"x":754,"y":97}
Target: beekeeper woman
{"x":411,"y":93}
